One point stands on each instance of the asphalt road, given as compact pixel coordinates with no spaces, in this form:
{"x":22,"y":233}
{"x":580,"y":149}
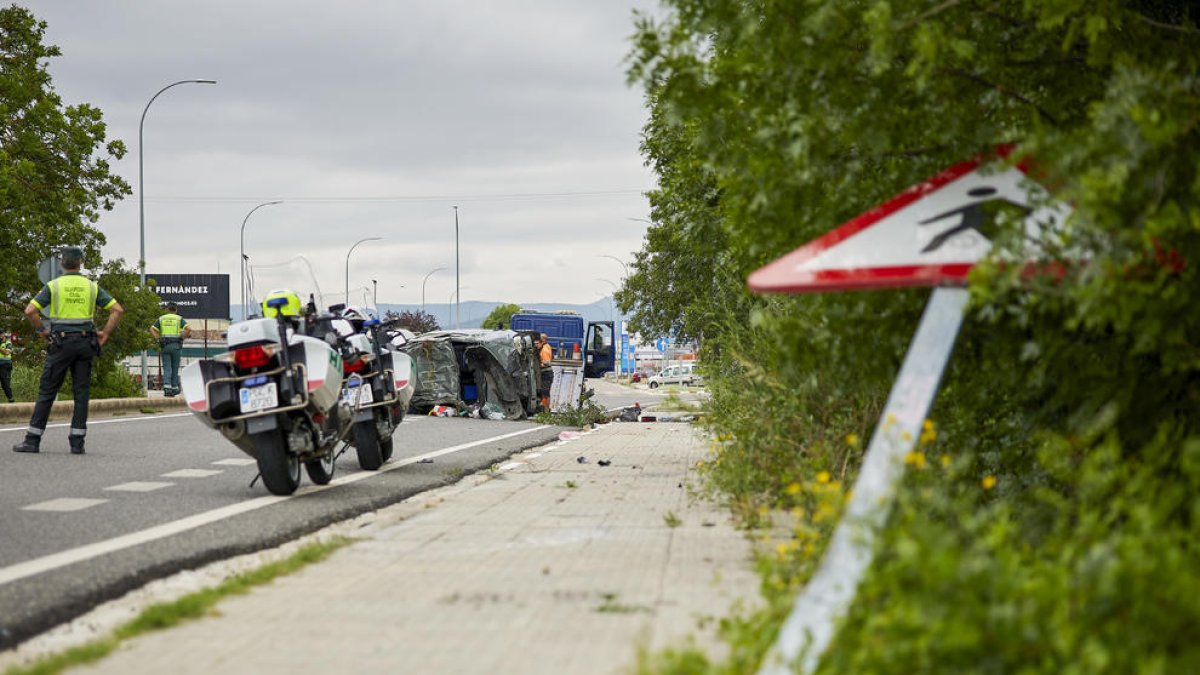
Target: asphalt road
{"x":160,"y":493}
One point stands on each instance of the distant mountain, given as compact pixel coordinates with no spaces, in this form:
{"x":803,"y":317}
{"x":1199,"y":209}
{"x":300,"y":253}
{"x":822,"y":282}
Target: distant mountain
{"x":473,"y":312}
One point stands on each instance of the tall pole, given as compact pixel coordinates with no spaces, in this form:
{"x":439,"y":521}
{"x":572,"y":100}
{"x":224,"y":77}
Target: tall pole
{"x":348,"y":263}
{"x":612,"y":304}
{"x":423,"y":286}
{"x":619,"y":332}
{"x":242,"y":252}
{"x":375,"y":294}
{"x":142,"y":200}
{"x":458,"y":300}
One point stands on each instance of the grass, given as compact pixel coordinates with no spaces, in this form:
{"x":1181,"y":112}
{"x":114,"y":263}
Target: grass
{"x":671,"y":519}
{"x":582,"y":415}
{"x":189,"y":607}
{"x":610,"y":605}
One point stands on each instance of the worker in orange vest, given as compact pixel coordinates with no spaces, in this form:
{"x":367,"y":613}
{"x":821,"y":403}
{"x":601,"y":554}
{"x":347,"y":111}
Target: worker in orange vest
{"x":546,"y":374}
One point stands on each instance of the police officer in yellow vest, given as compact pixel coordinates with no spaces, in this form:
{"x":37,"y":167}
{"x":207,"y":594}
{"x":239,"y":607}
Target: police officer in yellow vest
{"x":170,"y":330}
{"x":6,"y":367}
{"x":69,"y":301}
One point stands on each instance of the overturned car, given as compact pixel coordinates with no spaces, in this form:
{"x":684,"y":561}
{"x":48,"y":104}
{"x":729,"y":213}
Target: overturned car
{"x":491,"y":373}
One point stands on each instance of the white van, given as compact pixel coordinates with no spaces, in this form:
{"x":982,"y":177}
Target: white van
{"x":681,"y":374}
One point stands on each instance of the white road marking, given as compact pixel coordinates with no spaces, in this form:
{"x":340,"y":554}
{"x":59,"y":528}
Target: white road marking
{"x":510,"y":465}
{"x":192,"y":473}
{"x":236,"y":461}
{"x":71,"y":556}
{"x":64,"y":504}
{"x":139,"y":486}
{"x":533,"y":455}
{"x":93,"y":423}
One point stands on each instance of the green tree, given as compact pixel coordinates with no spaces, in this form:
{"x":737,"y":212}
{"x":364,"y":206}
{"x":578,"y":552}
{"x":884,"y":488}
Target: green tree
{"x":418,"y":322}
{"x":55,"y":177}
{"x":1067,"y":391}
{"x":500,"y":318}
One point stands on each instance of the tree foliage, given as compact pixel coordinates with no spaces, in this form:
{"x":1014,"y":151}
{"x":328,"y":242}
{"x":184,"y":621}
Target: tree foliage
{"x":418,"y":322}
{"x":500,"y":318}
{"x":55,"y":176}
{"x":770,"y":123}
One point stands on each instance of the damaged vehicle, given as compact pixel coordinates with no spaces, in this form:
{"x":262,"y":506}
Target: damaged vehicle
{"x":488,"y":373}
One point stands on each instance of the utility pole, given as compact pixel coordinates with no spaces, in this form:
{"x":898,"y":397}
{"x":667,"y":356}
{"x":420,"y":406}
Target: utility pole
{"x":457,"y":299}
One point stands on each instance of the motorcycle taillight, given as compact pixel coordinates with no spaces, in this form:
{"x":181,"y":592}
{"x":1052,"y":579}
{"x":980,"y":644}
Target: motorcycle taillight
{"x":353,"y":366}
{"x":251,"y":357}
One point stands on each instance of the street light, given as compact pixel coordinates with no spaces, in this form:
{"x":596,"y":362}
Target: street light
{"x":619,"y":261}
{"x":348,"y":263}
{"x":375,"y":294}
{"x":423,"y":286}
{"x":617,"y":328}
{"x":142,"y":200}
{"x":457,"y":312}
{"x":242,"y":250}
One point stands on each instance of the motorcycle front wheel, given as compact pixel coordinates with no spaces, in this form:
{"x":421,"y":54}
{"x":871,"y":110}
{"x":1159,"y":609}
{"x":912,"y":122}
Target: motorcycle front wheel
{"x":280,"y":470}
{"x":366,"y":443}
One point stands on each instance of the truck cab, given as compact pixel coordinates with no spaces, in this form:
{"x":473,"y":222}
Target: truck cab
{"x":573,"y":338}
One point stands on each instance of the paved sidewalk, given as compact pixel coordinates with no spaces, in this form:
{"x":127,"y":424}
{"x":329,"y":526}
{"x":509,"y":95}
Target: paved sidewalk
{"x":544,"y":565}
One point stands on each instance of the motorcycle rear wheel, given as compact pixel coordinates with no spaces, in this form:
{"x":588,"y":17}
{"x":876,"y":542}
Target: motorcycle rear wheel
{"x":366,"y":443}
{"x":280,"y":470}
{"x":321,"y":470}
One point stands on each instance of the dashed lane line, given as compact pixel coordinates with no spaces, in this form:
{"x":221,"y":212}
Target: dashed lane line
{"x":139,"y":486}
{"x":99,"y":422}
{"x":193,"y":473}
{"x":79,"y":554}
{"x":64,"y":504}
{"x":234,"y":461}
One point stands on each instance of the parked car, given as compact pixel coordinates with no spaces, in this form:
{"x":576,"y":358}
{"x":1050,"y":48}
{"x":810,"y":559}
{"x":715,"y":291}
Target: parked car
{"x":681,"y":374}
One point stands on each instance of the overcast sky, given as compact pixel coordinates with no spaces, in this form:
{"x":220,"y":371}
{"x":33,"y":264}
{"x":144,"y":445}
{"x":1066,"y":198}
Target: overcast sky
{"x":370,"y":119}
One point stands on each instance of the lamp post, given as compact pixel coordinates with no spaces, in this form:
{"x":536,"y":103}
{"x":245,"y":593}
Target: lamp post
{"x":348,"y":263}
{"x":375,"y":294}
{"x":612,"y":302}
{"x":457,"y":312}
{"x":242,"y":251}
{"x":142,"y":200}
{"x":423,"y":286}
{"x":619,"y":262}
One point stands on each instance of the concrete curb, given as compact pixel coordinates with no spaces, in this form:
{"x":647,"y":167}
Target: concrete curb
{"x":20,"y":412}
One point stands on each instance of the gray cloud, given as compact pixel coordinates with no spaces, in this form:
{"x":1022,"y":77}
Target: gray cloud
{"x":440,"y":103}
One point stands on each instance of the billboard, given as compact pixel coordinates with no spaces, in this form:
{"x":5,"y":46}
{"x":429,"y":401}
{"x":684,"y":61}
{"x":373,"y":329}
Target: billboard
{"x":198,"y":296}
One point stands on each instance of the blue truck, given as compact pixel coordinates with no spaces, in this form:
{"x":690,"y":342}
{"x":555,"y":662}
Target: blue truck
{"x":573,"y":338}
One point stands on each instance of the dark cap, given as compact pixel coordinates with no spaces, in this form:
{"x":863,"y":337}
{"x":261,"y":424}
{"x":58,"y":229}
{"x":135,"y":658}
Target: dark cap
{"x":171,"y":307}
{"x":72,"y":256}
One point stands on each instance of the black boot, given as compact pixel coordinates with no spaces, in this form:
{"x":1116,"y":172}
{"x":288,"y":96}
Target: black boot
{"x":76,"y":445}
{"x":30,"y":444}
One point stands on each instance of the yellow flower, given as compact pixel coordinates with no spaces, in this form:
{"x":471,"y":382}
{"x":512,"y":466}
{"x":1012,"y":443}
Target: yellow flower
{"x":823,"y":477}
{"x":906,"y":436}
{"x":928,"y":425}
{"x":928,"y":436}
{"x":792,"y":489}
{"x":946,"y":461}
{"x":988,"y":482}
{"x":916,"y":459}
{"x":852,"y":440}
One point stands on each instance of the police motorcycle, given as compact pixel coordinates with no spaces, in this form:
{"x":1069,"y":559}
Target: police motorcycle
{"x":276,"y":395}
{"x":377,"y":385}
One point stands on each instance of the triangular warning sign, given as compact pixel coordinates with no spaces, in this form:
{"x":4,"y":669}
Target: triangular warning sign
{"x":931,"y":234}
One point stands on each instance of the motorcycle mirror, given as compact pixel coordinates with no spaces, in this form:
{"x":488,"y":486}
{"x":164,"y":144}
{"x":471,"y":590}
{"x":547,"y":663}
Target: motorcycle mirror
{"x":331,"y":338}
{"x":337,"y":309}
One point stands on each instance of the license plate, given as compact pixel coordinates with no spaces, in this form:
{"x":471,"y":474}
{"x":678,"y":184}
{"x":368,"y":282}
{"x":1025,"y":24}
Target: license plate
{"x":254,"y":399}
{"x":360,"y":395}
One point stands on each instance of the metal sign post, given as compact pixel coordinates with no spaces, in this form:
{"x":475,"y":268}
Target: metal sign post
{"x":929,"y":235}
{"x":810,"y":627}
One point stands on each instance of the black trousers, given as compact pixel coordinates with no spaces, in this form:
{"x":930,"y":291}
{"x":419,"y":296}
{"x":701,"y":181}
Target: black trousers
{"x":74,"y":355}
{"x":6,"y":379}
